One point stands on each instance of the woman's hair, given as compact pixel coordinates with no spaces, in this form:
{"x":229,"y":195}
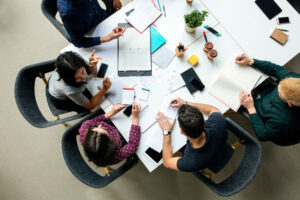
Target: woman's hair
{"x":289,"y":90}
{"x":66,"y":66}
{"x":99,"y":148}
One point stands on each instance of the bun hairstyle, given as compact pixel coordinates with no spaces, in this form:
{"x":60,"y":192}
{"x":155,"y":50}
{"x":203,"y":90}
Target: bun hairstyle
{"x":99,"y":148}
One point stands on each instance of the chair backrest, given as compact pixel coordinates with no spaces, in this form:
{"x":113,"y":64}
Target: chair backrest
{"x":79,"y":167}
{"x":49,"y":9}
{"x":25,"y":95}
{"x":247,"y":169}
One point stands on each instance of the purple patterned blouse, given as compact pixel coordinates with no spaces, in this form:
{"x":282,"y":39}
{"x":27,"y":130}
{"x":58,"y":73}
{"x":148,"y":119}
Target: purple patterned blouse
{"x":122,"y":152}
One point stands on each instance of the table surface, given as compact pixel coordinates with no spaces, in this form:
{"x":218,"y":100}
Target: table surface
{"x":233,"y":42}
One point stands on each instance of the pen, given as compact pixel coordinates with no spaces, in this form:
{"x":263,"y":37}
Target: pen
{"x":241,"y":56}
{"x":164,"y":10}
{"x":158,"y":5}
{"x":284,"y":30}
{"x":181,"y":47}
{"x":216,"y":33}
{"x":205,"y":36}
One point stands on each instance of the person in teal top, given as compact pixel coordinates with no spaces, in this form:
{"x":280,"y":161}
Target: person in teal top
{"x":275,"y":112}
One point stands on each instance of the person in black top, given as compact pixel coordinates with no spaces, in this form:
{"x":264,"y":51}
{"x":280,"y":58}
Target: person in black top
{"x":205,"y":139}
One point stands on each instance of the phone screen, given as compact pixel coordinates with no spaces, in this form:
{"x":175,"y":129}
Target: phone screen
{"x":283,"y":20}
{"x":102,"y":70}
{"x":197,"y":84}
{"x":128,"y":110}
{"x":156,"y":156}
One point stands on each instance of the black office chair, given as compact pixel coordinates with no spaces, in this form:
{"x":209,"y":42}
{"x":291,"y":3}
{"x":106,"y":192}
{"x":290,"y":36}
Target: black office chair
{"x":49,"y":9}
{"x":79,"y":167}
{"x":26,"y":101}
{"x":245,"y":172}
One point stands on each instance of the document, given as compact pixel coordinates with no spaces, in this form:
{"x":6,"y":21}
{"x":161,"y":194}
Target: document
{"x":142,"y":93}
{"x":146,"y":118}
{"x":162,"y":57}
{"x":169,"y":111}
{"x":144,"y":14}
{"x":127,"y":96}
{"x":155,"y":138}
{"x":233,"y":79}
{"x":172,"y":81}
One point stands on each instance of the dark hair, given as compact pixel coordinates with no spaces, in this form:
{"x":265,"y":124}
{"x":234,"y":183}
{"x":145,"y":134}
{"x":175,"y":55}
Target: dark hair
{"x":99,"y":148}
{"x":66,"y":66}
{"x":190,"y":121}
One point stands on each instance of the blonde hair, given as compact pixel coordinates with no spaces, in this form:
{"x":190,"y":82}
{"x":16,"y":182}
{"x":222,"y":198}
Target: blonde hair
{"x":289,"y":90}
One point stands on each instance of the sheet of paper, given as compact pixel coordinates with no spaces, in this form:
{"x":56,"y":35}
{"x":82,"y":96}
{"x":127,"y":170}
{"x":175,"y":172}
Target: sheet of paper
{"x":134,"y":51}
{"x":146,"y":118}
{"x":162,"y":57}
{"x":127,"y":96}
{"x":233,"y":79}
{"x":169,"y":111}
{"x":155,"y":138}
{"x":173,"y":81}
{"x":142,"y":93}
{"x":144,"y":14}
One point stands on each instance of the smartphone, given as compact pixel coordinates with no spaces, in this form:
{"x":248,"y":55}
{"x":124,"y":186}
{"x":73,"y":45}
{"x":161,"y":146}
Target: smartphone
{"x":127,"y":111}
{"x":102,"y":70}
{"x":283,"y":20}
{"x":197,"y":84}
{"x":156,"y":156}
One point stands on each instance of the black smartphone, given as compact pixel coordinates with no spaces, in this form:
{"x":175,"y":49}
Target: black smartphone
{"x":102,"y":71}
{"x":197,"y":84}
{"x":156,"y":156}
{"x":283,"y":20}
{"x":128,"y":110}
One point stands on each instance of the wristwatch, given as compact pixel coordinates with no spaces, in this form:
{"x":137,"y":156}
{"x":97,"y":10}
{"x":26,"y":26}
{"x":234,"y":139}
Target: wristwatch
{"x":167,"y":132}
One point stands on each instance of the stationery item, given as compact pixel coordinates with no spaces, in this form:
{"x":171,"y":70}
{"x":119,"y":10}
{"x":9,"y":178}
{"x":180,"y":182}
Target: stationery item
{"x":164,"y":10}
{"x":157,"y":40}
{"x":155,"y":138}
{"x":144,"y":14}
{"x":146,"y":118}
{"x":279,"y":36}
{"x":169,"y":111}
{"x":283,"y":30}
{"x":129,"y":12}
{"x":193,"y":60}
{"x":187,"y":76}
{"x":142,"y":94}
{"x":102,"y":70}
{"x":205,"y":36}
{"x":134,"y":55}
{"x":213,"y":31}
{"x":128,"y":111}
{"x":181,"y":47}
{"x":295,"y":4}
{"x":269,"y":7}
{"x":232,"y":80}
{"x":158,"y":5}
{"x":163,"y":57}
{"x":127,"y":96}
{"x":172,"y":82}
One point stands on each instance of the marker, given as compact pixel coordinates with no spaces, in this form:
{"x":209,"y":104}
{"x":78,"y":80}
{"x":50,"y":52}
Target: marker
{"x":164,"y":10}
{"x":284,"y":30}
{"x":205,"y":36}
{"x":216,"y":33}
{"x":181,"y":47}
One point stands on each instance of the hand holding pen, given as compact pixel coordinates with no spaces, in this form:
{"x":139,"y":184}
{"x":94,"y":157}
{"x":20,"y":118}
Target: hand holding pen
{"x":244,"y":60}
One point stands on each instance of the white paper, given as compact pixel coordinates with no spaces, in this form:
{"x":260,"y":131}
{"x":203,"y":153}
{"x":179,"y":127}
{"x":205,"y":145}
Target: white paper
{"x":162,"y":57}
{"x":234,"y":79}
{"x":155,"y":138}
{"x":172,"y":82}
{"x":169,"y":111}
{"x":127,"y":96}
{"x":146,"y":118}
{"x":142,"y":93}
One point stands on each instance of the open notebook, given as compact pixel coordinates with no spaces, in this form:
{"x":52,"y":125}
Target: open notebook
{"x":233,"y":79}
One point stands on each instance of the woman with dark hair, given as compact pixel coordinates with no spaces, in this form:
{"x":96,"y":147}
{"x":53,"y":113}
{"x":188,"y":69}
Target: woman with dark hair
{"x":101,"y":141}
{"x":67,"y":85}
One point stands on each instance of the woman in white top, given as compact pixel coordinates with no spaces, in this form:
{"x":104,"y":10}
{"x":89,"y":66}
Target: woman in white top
{"x":67,"y":84}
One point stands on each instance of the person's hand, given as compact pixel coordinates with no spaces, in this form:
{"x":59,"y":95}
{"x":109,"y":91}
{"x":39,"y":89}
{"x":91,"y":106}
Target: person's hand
{"x":247,"y":101}
{"x":93,"y":60}
{"x":176,"y":103}
{"x":117,"y":4}
{"x":118,"y":107}
{"x":116,"y":32}
{"x":244,"y":60}
{"x":164,"y":123}
{"x":106,"y":83}
{"x":136,"y":108}
{"x":178,"y":52}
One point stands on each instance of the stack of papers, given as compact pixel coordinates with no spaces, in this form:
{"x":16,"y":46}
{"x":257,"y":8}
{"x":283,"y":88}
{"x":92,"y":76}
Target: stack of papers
{"x":144,"y":14}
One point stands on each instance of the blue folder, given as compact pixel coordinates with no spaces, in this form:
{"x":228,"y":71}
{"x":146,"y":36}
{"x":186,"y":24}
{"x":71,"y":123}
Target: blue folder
{"x":157,"y":40}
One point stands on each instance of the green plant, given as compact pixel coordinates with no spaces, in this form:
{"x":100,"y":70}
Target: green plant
{"x":195,"y":18}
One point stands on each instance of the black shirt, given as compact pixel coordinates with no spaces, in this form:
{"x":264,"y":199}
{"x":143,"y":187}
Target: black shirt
{"x":216,"y":135}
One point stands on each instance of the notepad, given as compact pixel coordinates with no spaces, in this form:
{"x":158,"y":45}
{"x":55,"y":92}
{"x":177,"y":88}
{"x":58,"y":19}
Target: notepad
{"x":157,"y":40}
{"x":127,"y":96}
{"x":155,"y":138}
{"x":279,"y":36}
{"x":163,"y":57}
{"x":146,"y":118}
{"x":169,"y":111}
{"x":142,"y":93}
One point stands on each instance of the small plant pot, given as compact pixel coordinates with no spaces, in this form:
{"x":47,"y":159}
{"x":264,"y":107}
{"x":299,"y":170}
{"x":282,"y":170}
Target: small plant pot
{"x":189,"y":29}
{"x":212,"y":54}
{"x":189,"y":2}
{"x":208,"y":46}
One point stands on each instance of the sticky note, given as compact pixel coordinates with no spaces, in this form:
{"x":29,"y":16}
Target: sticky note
{"x":193,"y":59}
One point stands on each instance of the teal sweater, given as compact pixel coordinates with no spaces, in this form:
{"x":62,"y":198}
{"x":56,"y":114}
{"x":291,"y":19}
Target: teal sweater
{"x":274,"y":119}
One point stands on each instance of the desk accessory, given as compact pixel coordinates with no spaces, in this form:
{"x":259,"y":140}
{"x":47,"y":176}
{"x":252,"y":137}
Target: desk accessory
{"x":163,"y":57}
{"x":269,"y":7}
{"x":279,"y":36}
{"x":213,"y":31}
{"x":188,"y":76}
{"x":157,"y":40}
{"x":194,"y":19}
{"x":208,"y":46}
{"x":193,"y":60}
{"x":295,"y":4}
{"x":179,"y":50}
{"x":127,"y":96}
{"x":283,"y":30}
{"x":212,"y":54}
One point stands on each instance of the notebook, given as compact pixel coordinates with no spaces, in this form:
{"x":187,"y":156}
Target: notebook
{"x":157,"y":40}
{"x":269,"y":7}
{"x":279,"y":36}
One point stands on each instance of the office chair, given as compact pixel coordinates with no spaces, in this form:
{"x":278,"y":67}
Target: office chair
{"x":79,"y":167}
{"x":26,"y":101}
{"x":245,"y":172}
{"x":49,"y":9}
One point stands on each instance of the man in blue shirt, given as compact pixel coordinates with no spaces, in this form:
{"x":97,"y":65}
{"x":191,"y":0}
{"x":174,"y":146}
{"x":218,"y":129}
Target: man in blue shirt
{"x":205,"y":139}
{"x":80,"y":16}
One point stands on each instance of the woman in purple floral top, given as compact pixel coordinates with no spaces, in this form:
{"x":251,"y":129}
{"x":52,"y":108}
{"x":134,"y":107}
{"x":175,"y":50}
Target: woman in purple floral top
{"x":101,"y":141}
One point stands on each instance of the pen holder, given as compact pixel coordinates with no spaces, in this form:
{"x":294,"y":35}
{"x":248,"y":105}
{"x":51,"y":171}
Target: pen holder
{"x":179,"y":52}
{"x":208,"y":46}
{"x":212,"y":54}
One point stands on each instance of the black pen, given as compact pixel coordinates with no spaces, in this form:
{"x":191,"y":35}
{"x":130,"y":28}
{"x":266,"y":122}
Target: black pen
{"x":283,"y":30}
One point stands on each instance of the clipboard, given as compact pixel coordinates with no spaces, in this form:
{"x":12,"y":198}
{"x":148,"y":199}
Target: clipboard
{"x":136,"y":53}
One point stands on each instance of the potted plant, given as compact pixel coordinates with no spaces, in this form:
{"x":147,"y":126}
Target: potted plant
{"x":194,"y":19}
{"x":189,"y":2}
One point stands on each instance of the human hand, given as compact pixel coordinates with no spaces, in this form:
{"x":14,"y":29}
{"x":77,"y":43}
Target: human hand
{"x":244,"y":60}
{"x":116,"y":32}
{"x":93,"y":60}
{"x":176,"y":103}
{"x":106,"y":83}
{"x":178,"y":52}
{"x":164,"y":123}
{"x":247,"y":101}
{"x":117,"y":4}
{"x":117,"y":108}
{"x":136,"y":108}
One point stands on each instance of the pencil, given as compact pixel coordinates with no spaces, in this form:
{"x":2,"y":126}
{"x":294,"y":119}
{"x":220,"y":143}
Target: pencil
{"x":205,"y":36}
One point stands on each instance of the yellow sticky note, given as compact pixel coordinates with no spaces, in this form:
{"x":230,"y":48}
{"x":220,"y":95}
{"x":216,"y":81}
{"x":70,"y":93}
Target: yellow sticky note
{"x":193,"y":59}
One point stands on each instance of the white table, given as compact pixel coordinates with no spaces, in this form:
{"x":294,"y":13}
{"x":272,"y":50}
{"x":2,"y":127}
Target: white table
{"x":172,"y":28}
